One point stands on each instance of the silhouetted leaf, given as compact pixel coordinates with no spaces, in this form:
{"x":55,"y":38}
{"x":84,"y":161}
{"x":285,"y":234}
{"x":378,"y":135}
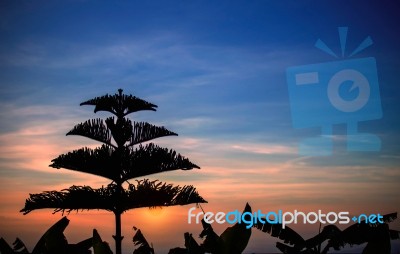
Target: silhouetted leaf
{"x":99,"y":246}
{"x":378,"y":240}
{"x":375,"y":234}
{"x":119,"y":104}
{"x":191,"y":245}
{"x":100,"y":161}
{"x":121,"y":129}
{"x":144,"y":194}
{"x":387,"y":218}
{"x":53,"y":240}
{"x":235,"y":239}
{"x":151,"y":159}
{"x":286,"y":234}
{"x":124,"y":164}
{"x":143,"y":246}
{"x":144,"y":132}
{"x":82,"y":247}
{"x":5,"y":248}
{"x":362,"y":232}
{"x":212,"y":242}
{"x":178,"y":250}
{"x":289,"y":249}
{"x":94,"y":129}
{"x":19,"y":247}
{"x":329,"y":232}
{"x":394,"y":234}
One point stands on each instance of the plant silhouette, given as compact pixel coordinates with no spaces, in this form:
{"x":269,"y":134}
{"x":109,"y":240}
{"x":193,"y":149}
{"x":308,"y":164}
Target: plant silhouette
{"x":52,"y":241}
{"x":232,"y":241}
{"x":376,"y":235}
{"x":140,"y":241}
{"x":122,"y":156}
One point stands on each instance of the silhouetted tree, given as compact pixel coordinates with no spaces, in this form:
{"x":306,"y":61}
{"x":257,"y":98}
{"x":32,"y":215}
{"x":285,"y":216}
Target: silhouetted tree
{"x":122,"y":156}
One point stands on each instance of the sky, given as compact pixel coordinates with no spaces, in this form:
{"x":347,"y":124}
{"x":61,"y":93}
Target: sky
{"x":218,"y":72}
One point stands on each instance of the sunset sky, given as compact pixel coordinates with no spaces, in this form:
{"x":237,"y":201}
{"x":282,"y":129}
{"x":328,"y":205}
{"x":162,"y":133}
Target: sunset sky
{"x":217,"y":72}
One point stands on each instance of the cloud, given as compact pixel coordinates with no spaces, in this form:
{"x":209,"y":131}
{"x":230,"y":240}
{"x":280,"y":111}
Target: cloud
{"x":266,"y":149}
{"x":194,"y":122}
{"x":32,"y":136}
{"x":166,"y":57}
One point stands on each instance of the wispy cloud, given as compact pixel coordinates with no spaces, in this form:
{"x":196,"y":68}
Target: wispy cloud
{"x":265,"y":149}
{"x":166,"y":58}
{"x":194,"y":122}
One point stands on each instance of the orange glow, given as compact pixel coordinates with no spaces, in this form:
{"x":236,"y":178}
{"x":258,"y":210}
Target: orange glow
{"x":156,"y":213}
{"x":225,"y":183}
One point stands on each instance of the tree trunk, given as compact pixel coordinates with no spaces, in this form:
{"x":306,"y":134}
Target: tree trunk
{"x":117,"y":237}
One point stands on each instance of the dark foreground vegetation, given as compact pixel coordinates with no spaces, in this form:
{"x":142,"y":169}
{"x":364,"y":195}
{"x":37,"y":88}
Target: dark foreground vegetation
{"x":232,"y":241}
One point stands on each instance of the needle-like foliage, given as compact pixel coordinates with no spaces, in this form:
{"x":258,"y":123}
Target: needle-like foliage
{"x":119,"y":104}
{"x":135,"y":196}
{"x":121,"y":156}
{"x":102,"y":161}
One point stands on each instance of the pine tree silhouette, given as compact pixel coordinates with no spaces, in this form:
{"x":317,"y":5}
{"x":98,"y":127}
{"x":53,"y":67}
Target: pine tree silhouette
{"x":121,"y":157}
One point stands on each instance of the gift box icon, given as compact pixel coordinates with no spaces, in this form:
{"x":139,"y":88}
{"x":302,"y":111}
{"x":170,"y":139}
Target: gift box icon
{"x":337,"y":92}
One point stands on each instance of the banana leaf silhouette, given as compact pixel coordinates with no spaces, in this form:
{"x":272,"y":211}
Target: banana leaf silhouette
{"x":100,"y":246}
{"x":19,"y":247}
{"x":235,"y":239}
{"x":53,"y":241}
{"x":287,"y":234}
{"x":5,"y":248}
{"x":178,"y":250}
{"x":212,"y":241}
{"x":376,"y":235}
{"x":232,"y":241}
{"x":191,"y":246}
{"x":140,"y":240}
{"x":81,"y":247}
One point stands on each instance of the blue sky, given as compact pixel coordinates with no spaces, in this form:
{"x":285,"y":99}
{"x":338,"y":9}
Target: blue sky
{"x":217,"y":71}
